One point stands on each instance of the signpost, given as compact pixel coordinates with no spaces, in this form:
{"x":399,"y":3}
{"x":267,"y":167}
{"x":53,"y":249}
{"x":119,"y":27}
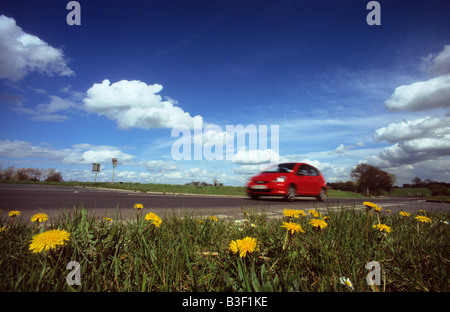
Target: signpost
{"x":114,"y":163}
{"x":96,"y":168}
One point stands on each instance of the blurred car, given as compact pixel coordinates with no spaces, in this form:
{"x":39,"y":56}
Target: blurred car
{"x":288,"y":180}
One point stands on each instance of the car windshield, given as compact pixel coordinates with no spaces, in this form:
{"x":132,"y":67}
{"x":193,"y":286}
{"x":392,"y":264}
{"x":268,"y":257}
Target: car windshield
{"x":286,"y":167}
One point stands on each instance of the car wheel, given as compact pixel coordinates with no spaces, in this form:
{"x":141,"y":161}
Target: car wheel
{"x":290,"y":196}
{"x":322,"y":196}
{"x":254,"y":196}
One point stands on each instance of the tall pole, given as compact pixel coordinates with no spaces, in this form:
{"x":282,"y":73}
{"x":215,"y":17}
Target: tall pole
{"x":114,"y":163}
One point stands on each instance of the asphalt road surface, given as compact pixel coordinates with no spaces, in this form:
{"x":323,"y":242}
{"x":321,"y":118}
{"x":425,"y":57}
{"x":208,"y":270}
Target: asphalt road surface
{"x":54,"y":200}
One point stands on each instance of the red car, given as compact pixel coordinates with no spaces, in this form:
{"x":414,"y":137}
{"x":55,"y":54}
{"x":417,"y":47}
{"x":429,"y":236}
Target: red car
{"x":288,"y":180}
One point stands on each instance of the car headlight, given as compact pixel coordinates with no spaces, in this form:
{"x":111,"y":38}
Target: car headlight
{"x":280,"y":179}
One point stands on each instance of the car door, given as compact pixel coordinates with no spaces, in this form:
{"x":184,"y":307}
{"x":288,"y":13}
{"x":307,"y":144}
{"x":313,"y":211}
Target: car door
{"x":314,"y":180}
{"x":303,"y":180}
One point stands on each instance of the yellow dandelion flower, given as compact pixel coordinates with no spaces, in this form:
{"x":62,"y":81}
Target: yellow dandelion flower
{"x":155,"y":219}
{"x":234,"y":246}
{"x":2,"y":228}
{"x":317,"y":223}
{"x":49,"y":240}
{"x":404,"y":214}
{"x":377,"y":208}
{"x":107,"y":219}
{"x":14,"y":213}
{"x":423,"y":219}
{"x":421,"y":210}
{"x":388,"y":210}
{"x":213,"y":218}
{"x":293,"y":227}
{"x":138,"y":206}
{"x":293,"y":213}
{"x":382,"y":227}
{"x":370,"y":205}
{"x":244,"y":246}
{"x":39,"y":217}
{"x":314,"y":213}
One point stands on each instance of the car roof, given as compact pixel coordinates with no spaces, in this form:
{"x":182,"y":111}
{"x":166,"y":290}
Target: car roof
{"x":297,"y":163}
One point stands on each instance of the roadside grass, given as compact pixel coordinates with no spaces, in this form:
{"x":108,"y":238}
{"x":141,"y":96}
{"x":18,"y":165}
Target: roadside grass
{"x":409,"y":191}
{"x":419,"y":192}
{"x":191,"y":253}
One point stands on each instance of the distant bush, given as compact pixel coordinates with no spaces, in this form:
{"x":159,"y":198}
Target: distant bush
{"x":53,"y":176}
{"x":197,"y":183}
{"x":439,"y":190}
{"x":30,"y":174}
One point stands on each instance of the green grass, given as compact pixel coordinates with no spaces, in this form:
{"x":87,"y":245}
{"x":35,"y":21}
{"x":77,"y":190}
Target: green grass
{"x":408,"y":192}
{"x":419,"y":192}
{"x":188,"y":253}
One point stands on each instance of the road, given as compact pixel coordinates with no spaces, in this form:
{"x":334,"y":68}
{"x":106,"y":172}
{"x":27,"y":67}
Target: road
{"x":53,"y":200}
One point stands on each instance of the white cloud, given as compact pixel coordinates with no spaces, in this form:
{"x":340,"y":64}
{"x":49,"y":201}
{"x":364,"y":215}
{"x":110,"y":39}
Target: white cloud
{"x":159,"y":165}
{"x":438,"y":64}
{"x":245,"y":156}
{"x":413,"y":151}
{"x":429,"y":94}
{"x":134,"y":104}
{"x":22,"y":53}
{"x":50,"y":111}
{"x":79,"y":154}
{"x":422,"y":95}
{"x":428,"y":127}
{"x":421,"y":147}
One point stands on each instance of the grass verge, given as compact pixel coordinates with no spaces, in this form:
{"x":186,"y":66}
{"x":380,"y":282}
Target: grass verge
{"x":191,"y":253}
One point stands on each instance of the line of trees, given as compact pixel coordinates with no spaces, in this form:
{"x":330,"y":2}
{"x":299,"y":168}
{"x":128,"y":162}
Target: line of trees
{"x":198,"y":183}
{"x":437,"y":188}
{"x":30,"y":174}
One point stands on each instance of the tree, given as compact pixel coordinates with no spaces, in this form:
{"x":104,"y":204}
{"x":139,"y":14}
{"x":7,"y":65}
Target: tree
{"x":372,"y":180}
{"x":53,"y":176}
{"x":8,"y":173}
{"x":417,"y":182}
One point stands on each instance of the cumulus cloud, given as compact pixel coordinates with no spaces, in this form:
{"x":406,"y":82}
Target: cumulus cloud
{"x":413,"y":151}
{"x":422,"y":148}
{"x":134,"y":104}
{"x":435,"y":127}
{"x":421,"y":96}
{"x":429,"y":94}
{"x":22,"y":53}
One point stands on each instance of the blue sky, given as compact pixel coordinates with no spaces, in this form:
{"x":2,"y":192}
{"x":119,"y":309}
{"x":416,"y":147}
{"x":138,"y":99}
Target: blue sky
{"x":342,"y":92}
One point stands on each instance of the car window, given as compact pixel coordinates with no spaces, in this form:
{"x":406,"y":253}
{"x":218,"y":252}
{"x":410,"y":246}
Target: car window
{"x":303,"y":170}
{"x":285,"y":168}
{"x":313,"y":171}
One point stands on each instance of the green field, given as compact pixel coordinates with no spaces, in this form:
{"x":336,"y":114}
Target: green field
{"x":411,"y":192}
{"x":188,"y":253}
